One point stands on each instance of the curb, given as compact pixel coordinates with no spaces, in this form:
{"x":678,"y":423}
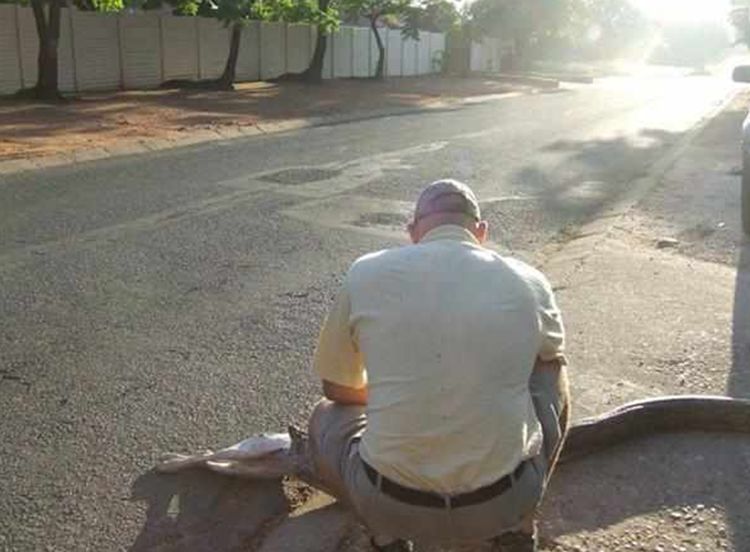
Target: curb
{"x":563,"y":77}
{"x":523,"y":79}
{"x":205,"y":136}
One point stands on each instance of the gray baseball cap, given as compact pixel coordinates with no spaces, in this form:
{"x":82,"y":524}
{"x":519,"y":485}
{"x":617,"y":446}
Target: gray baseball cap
{"x":447,"y":196}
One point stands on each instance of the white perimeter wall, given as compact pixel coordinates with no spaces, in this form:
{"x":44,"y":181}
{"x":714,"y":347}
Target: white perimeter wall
{"x":110,"y":51}
{"x":486,"y":55}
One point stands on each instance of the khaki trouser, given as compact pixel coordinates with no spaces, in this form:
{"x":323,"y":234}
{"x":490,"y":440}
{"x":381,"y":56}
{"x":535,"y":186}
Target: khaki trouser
{"x":334,"y":438}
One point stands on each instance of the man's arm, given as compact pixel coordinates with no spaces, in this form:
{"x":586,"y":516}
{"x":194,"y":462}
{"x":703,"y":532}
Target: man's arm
{"x":344,"y":395}
{"x":549,"y":382}
{"x":338,"y":361}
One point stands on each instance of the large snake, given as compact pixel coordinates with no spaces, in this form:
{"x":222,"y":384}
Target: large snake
{"x":275,"y":455}
{"x":658,"y":415}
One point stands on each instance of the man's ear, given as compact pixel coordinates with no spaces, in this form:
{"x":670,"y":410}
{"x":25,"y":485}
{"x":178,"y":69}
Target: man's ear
{"x":482,"y":231}
{"x":412,"y":229}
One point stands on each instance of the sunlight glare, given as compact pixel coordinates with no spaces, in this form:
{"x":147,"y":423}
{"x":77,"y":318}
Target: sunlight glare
{"x":684,"y":11}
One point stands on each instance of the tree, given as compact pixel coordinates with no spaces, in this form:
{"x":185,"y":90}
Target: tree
{"x":377,"y":12}
{"x":321,"y":13}
{"x":437,"y":16}
{"x":47,"y":21}
{"x":525,"y":22}
{"x":237,"y":13}
{"x":234,"y":14}
{"x":314,"y":72}
{"x":606,"y":28}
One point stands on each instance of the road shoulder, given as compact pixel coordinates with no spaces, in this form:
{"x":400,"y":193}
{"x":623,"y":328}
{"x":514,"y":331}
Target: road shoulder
{"x":99,"y":126}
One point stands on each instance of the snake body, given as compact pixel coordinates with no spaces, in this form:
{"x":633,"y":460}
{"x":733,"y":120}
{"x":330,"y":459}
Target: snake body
{"x":275,"y":455}
{"x":659,"y":415}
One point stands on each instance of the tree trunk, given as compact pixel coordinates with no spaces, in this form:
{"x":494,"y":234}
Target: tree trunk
{"x":48,"y":31}
{"x":314,"y":73}
{"x":226,"y":81}
{"x":381,"y":50}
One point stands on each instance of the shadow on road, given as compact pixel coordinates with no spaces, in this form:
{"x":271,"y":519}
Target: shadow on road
{"x":202,"y":511}
{"x":579,"y":180}
{"x":655,"y":477}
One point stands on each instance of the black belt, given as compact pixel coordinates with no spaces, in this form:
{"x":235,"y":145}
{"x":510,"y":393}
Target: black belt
{"x":435,"y":500}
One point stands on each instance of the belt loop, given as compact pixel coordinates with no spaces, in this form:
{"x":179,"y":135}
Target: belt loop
{"x":448,"y":505}
{"x":379,"y":481}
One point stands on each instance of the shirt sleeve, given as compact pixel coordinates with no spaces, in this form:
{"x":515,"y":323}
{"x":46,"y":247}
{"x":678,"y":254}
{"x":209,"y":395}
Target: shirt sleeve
{"x":550,"y":323}
{"x":551,"y":327}
{"x":337,"y":357}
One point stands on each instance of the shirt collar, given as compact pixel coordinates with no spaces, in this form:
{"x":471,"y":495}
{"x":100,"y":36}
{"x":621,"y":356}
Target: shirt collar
{"x":451,"y":232}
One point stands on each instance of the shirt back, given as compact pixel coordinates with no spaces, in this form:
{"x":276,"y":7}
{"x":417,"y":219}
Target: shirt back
{"x":448,"y":332}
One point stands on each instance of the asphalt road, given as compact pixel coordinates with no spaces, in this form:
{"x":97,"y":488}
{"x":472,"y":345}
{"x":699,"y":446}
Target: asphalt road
{"x":171,"y":301}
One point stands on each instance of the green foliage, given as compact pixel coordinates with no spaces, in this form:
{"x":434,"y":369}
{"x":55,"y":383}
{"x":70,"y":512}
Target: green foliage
{"x":233,"y":11}
{"x":610,"y":18}
{"x":86,"y":5}
{"x":538,"y":27}
{"x":527,"y":19}
{"x":438,"y":16}
{"x":240,"y":11}
{"x":99,"y":5}
{"x":296,"y":11}
{"x":377,"y":10}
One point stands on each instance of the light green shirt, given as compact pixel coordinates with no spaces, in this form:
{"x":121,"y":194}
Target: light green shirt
{"x":445,"y":334}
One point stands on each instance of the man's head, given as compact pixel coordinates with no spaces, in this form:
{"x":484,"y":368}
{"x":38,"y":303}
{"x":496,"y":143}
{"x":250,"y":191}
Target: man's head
{"x":447,"y":202}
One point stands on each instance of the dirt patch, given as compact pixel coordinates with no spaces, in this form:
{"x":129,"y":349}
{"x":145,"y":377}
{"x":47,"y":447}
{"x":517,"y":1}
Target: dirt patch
{"x":101,"y":121}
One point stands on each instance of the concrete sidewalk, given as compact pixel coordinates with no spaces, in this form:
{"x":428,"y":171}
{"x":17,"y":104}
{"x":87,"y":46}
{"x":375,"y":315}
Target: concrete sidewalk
{"x":646,"y":317}
{"x":98,"y":126}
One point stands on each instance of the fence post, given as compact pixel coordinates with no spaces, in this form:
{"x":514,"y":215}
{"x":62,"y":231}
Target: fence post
{"x":162,"y":75}
{"x":260,"y":50}
{"x":430,"y":69}
{"x":386,"y":53}
{"x":71,"y":27}
{"x":312,"y":42}
{"x":199,"y":66}
{"x":286,"y":48}
{"x":416,"y":56}
{"x":401,"y":43}
{"x":120,"y":55}
{"x":18,"y":46}
{"x":331,"y":41}
{"x":369,"y":53}
{"x":351,"y":51}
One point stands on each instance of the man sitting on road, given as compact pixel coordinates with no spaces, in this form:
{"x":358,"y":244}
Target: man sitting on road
{"x":446,"y":392}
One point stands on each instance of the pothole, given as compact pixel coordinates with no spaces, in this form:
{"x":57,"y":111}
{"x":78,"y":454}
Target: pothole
{"x":295,"y":177}
{"x":381,"y":219}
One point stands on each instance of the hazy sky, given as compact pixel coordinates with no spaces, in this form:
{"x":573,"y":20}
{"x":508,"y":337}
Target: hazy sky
{"x":685,"y":10}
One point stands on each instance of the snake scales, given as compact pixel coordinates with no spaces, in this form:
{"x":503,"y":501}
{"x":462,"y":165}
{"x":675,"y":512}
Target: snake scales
{"x":658,"y":415}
